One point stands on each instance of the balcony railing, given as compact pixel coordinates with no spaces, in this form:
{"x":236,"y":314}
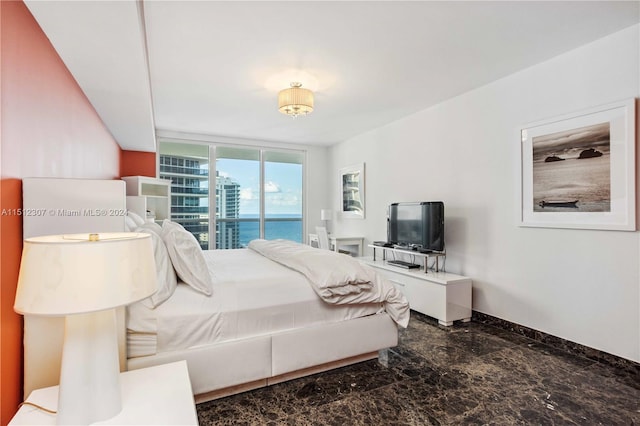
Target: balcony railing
{"x":189,"y":190}
{"x":189,"y":209}
{"x":192,"y":171}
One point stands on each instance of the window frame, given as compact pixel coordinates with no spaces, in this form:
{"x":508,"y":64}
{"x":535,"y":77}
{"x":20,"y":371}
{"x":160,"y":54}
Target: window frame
{"x":261,"y":148}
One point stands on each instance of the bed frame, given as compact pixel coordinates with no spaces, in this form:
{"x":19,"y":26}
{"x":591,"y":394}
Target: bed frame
{"x":215,"y":370}
{"x":227,"y":368}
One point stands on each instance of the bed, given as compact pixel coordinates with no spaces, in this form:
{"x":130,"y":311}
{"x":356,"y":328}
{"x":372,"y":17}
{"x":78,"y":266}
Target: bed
{"x":263,"y":323}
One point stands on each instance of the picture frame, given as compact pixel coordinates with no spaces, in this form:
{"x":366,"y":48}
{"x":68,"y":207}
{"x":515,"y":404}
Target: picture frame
{"x":352,"y":191}
{"x":578,"y":170}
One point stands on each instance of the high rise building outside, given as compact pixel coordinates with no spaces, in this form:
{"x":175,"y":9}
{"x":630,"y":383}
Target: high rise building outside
{"x":190,"y":199}
{"x":227,"y":207}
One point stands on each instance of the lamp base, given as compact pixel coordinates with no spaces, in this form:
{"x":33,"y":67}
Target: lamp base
{"x":90,"y":373}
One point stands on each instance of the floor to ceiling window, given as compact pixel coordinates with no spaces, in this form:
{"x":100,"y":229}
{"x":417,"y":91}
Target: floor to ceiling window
{"x":258,"y":192}
{"x":237,"y":193}
{"x":282,"y":195}
{"x":187,"y":165}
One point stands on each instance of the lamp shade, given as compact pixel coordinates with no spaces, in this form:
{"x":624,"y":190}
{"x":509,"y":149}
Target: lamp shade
{"x":73,"y":274}
{"x":295,"y":100}
{"x":325,"y":214}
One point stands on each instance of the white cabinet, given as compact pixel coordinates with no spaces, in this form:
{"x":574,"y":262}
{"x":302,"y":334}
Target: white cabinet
{"x":149,"y":197}
{"x":155,"y":395}
{"x":444,"y":296}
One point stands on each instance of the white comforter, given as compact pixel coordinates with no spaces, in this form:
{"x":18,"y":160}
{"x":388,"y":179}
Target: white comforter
{"x":336,"y":278}
{"x":252,"y":296}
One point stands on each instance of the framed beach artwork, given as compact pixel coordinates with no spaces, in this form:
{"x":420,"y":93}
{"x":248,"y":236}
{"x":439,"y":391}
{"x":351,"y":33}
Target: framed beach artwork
{"x":578,"y":170}
{"x":352,"y":191}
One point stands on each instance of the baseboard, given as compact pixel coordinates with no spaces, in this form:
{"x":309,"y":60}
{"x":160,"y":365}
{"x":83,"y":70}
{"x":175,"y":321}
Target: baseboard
{"x":558,"y":342}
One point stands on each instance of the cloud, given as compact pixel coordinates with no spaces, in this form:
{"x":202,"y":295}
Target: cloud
{"x":271,"y":186}
{"x":283,"y":199}
{"x":247,"y":194}
{"x":251,"y":194}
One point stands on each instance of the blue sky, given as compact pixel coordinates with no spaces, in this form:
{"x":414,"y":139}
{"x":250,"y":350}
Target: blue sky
{"x":283,"y":185}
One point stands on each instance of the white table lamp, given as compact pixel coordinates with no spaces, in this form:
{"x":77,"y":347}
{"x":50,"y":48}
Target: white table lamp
{"x":325,"y":215}
{"x":84,"y":277}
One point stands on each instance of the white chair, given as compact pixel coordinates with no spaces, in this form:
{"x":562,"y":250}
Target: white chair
{"x":323,"y":238}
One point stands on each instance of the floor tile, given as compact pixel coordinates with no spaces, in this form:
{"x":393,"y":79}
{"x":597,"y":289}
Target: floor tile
{"x":467,"y":374}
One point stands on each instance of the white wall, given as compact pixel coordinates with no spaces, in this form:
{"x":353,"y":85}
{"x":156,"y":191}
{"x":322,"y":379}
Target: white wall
{"x":316,"y":187}
{"x":581,"y":285}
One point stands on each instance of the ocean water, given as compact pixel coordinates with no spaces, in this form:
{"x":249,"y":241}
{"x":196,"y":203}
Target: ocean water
{"x":288,"y":230}
{"x":585,"y":180}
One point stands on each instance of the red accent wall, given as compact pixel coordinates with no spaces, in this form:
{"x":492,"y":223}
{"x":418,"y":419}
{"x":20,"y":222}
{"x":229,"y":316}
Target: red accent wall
{"x":138,"y":163}
{"x":48,"y":128}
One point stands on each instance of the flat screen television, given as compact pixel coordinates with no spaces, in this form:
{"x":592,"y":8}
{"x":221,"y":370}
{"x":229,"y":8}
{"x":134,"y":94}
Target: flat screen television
{"x":417,"y":225}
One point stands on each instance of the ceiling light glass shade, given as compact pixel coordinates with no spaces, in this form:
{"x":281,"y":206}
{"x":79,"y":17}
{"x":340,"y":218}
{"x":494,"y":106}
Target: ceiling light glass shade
{"x":295,"y":100}
{"x":71,"y":274}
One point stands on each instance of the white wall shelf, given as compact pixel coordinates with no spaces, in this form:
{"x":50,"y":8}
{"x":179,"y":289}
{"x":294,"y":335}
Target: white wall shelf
{"x":148,"y":197}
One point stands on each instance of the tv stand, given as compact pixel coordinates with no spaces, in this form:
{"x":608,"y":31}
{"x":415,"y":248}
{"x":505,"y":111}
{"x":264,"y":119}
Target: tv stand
{"x":424,"y":255}
{"x":402,"y":264}
{"x":441,"y":295}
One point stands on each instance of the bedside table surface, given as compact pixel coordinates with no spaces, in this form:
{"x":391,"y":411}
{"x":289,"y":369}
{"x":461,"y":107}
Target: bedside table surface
{"x":159,"y":395}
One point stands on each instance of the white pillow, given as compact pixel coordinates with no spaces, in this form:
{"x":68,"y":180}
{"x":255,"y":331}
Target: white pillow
{"x":165,"y":274}
{"x":186,"y":256}
{"x":152,"y":226}
{"x":129,"y":224}
{"x":136,"y":218}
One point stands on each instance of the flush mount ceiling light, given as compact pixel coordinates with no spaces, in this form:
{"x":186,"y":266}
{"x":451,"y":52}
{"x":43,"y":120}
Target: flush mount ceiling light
{"x":295,"y":100}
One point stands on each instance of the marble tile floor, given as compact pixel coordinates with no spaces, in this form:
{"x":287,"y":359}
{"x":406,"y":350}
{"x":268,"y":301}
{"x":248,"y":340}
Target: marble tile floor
{"x":468,"y":374}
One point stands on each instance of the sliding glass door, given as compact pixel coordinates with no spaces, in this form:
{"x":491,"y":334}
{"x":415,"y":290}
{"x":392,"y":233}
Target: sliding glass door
{"x":237,"y":196}
{"x":283,"y":195}
{"x":258,"y":192}
{"x":187,"y":166}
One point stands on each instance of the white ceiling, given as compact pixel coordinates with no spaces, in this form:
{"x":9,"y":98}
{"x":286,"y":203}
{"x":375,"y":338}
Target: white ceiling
{"x":215,"y":67}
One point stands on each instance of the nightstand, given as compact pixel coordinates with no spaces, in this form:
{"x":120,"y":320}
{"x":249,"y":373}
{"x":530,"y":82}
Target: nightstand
{"x":159,"y":395}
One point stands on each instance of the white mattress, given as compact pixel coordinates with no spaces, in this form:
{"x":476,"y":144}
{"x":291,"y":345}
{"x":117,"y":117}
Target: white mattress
{"x":252,"y":296}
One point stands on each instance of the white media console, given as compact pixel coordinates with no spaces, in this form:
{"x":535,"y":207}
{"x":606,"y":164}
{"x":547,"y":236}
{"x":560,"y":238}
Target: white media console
{"x":441,"y":295}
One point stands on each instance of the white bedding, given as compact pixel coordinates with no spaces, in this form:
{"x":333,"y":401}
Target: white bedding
{"x":252,"y":296}
{"x":337,"y":279}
